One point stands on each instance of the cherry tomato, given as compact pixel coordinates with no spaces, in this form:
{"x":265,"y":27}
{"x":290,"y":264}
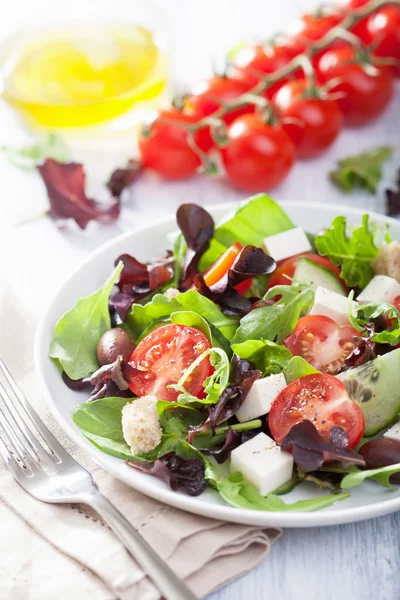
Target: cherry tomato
{"x":383,"y":29}
{"x":352,"y":6}
{"x":321,"y":399}
{"x":257,"y":156}
{"x":254,"y":62}
{"x":365,"y":95}
{"x":207,"y":96}
{"x":162,"y":357}
{"x":311,"y":28}
{"x":288,"y":267}
{"x":220,"y":268}
{"x":313,"y":122}
{"x":166,"y":149}
{"x":322,"y":342}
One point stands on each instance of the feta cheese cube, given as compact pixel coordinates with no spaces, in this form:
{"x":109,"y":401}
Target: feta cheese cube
{"x":262,"y":463}
{"x":380,"y":289}
{"x":393,"y":432}
{"x":262,"y":394}
{"x":332,"y":305}
{"x":286,"y":244}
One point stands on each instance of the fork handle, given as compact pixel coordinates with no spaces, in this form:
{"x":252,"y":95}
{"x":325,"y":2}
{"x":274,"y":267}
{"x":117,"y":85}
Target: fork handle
{"x":168,"y":584}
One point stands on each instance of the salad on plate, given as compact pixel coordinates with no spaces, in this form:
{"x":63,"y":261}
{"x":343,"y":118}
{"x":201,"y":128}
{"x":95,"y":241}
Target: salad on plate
{"x":252,"y":357}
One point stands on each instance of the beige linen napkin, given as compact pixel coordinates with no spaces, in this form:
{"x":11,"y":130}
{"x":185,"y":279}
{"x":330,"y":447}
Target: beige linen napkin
{"x":65,"y":551}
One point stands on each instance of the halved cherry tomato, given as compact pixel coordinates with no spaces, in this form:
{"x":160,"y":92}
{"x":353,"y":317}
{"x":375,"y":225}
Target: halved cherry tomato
{"x":217,"y":271}
{"x":311,"y":121}
{"x":288,"y":267}
{"x":255,"y":62}
{"x":365,"y":95}
{"x":322,"y":342}
{"x":166,"y":150}
{"x":321,"y":399}
{"x":162,"y":357}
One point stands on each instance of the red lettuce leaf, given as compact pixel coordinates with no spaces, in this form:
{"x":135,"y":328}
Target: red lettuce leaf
{"x":232,"y":440}
{"x":310,"y":450}
{"x":65,"y":184}
{"x":393,"y":199}
{"x":179,"y":473}
{"x":197,"y":227}
{"x":250,"y":263}
{"x":123,"y":177}
{"x":231,"y":399}
{"x":136,"y":282}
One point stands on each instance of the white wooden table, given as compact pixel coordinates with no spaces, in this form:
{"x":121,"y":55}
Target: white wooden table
{"x":351,"y":561}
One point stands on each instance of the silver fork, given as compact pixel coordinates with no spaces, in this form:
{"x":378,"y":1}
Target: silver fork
{"x":47,"y":472}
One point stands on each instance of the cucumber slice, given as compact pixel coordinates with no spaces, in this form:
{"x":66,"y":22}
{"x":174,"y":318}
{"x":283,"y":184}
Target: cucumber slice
{"x":315,"y":275}
{"x":375,"y":387}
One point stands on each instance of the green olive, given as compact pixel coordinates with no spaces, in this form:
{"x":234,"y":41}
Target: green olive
{"x":113,"y":343}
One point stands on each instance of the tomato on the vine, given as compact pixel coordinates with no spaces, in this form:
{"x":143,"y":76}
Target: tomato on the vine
{"x":285,"y":270}
{"x":161,"y":358}
{"x":258,"y":156}
{"x":165,"y":149}
{"x":352,"y":6}
{"x":322,"y":342}
{"x":312,"y":122}
{"x":321,"y":399}
{"x":255,"y":62}
{"x":365,"y":95}
{"x":310,"y":28}
{"x":383,"y":32}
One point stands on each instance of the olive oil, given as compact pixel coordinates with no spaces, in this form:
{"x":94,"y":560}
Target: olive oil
{"x":83,"y":75}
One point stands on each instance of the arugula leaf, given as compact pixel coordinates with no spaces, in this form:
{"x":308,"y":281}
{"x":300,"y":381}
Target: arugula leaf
{"x":354,"y":253}
{"x":214,"y":385}
{"x":362,"y":170}
{"x":277,"y":321}
{"x":298,"y":367}
{"x":236,"y":492}
{"x":366,"y":313}
{"x":78,"y":331}
{"x":142,"y":316}
{"x":100,"y":422}
{"x":381,"y":475}
{"x":28,"y":157}
{"x":257,"y":218}
{"x":267,"y":357}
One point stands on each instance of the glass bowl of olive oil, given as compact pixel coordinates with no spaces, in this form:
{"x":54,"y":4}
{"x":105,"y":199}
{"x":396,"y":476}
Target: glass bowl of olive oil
{"x":83,"y":74}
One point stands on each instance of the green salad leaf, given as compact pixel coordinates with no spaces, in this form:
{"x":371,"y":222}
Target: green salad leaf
{"x":80,"y":328}
{"x":362,"y":170}
{"x":100,"y":422}
{"x":236,"y":492}
{"x":267,"y":357}
{"x":297,"y":367}
{"x":277,"y":321}
{"x":50,"y":145}
{"x":353,"y":254}
{"x":193,"y":319}
{"x":381,"y":475}
{"x":365,"y":313}
{"x":257,"y":218}
{"x":160,"y":307}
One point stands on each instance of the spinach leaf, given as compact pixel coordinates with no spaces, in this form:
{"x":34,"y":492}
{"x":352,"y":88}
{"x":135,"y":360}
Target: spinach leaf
{"x":354,"y":253}
{"x":381,"y":475}
{"x":236,"y":492}
{"x":267,"y":357}
{"x":297,"y":367}
{"x":141,"y":316}
{"x":79,"y":330}
{"x":277,"y":321}
{"x":256,"y":219}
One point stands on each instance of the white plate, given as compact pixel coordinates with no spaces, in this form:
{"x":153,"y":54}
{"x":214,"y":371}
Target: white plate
{"x":368,"y":500}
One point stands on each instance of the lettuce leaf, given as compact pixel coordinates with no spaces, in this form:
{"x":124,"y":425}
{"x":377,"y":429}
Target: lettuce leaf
{"x":257,"y":218}
{"x":372,"y":310}
{"x":277,"y":321}
{"x":78,"y":331}
{"x":381,"y":475}
{"x":354,"y":253}
{"x":297,"y":367}
{"x":267,"y":357}
{"x":362,"y":170}
{"x":161,"y":307}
